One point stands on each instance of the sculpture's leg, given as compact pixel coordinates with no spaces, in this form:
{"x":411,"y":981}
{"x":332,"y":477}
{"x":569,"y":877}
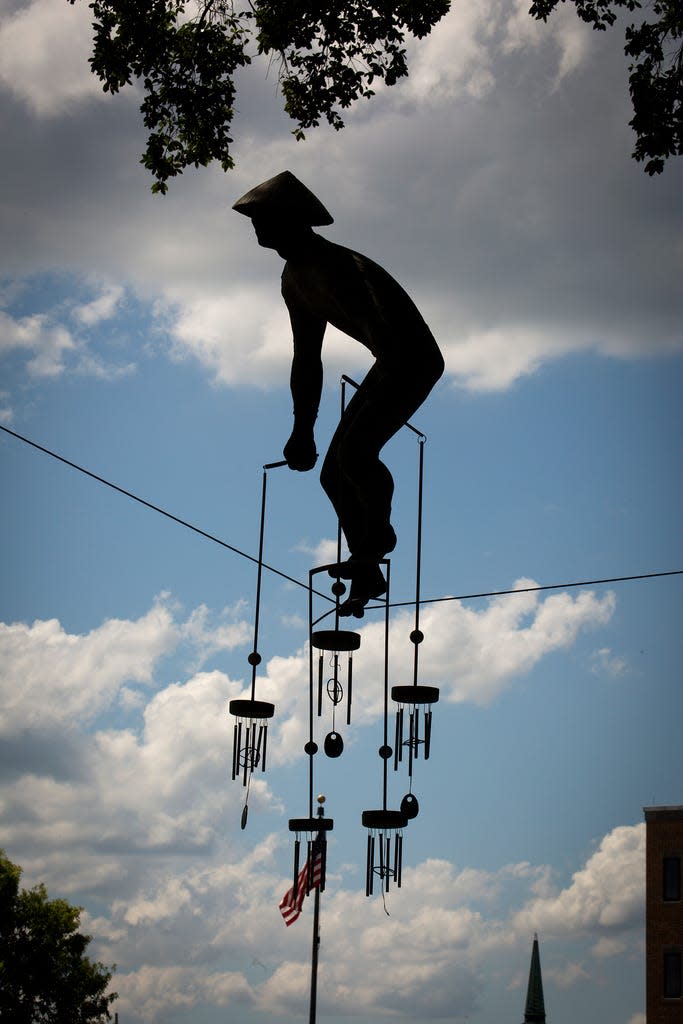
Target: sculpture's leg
{"x":358,"y":483}
{"x":355,"y":479}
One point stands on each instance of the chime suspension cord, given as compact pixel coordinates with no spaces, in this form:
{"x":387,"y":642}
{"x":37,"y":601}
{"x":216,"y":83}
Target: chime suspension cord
{"x":259,"y":572}
{"x":418,"y":567}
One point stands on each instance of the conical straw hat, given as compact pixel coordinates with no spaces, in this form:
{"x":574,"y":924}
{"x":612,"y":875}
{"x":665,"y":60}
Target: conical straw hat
{"x":284,"y":195}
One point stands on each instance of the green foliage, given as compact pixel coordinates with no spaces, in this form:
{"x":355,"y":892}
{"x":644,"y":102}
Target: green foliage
{"x":45,"y":977}
{"x":655,"y":76}
{"x":331,"y":53}
{"x":185,"y":54}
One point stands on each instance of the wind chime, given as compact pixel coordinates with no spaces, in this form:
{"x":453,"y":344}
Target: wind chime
{"x":384,"y":854}
{"x":331,"y":685}
{"x":331,"y":645}
{"x":315,"y":830}
{"x":414,"y":700}
{"x":250,"y":734}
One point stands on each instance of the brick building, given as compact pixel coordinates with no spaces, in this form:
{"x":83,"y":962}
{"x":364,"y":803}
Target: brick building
{"x":664,"y":914}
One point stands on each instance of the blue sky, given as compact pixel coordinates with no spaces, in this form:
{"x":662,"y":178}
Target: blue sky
{"x":144,"y":338}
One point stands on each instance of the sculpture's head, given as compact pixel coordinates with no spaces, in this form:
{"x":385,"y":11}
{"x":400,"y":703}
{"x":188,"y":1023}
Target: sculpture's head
{"x":274,"y":231}
{"x":283,"y":211}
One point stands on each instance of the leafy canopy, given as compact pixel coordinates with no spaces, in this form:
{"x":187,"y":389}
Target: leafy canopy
{"x":656,"y":75}
{"x":45,"y":978}
{"x":185,"y":54}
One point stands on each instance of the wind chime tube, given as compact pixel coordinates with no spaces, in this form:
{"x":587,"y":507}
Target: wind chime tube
{"x":239,"y":748}
{"x":349,"y":687}
{"x":398,"y":858}
{"x":236,"y":743}
{"x":320,"y":686}
{"x":411,"y":744}
{"x":398,"y":745}
{"x":247,"y":752}
{"x":263,"y":735}
{"x":417,"y":732}
{"x":380,"y":840}
{"x":428,"y":733}
{"x":297,"y":848}
{"x":388,"y":860}
{"x":370,"y":865}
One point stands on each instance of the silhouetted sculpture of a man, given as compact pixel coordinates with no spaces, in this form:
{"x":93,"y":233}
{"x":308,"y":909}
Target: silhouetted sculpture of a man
{"x":326,"y":283}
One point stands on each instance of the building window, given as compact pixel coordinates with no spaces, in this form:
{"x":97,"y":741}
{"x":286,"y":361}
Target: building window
{"x":672,"y":879}
{"x":672,"y":975}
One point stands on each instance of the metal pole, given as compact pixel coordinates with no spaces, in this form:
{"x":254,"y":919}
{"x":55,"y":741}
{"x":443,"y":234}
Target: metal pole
{"x":318,"y":849}
{"x":314,"y":955}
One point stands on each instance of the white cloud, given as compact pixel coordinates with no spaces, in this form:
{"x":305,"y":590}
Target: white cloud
{"x":484,"y":650}
{"x":460,"y":57}
{"x":567,"y":975}
{"x":455,"y":58}
{"x":53,"y":348}
{"x":607,"y":946}
{"x":605,"y":663}
{"x":104,"y":307}
{"x":128,"y":827}
{"x":54,"y":684}
{"x":571,"y":36}
{"x":324,"y":552}
{"x":243,"y":336}
{"x":608,"y":893}
{"x":494,"y":359}
{"x":44,"y":50}
{"x":49,"y":676}
{"x":151,"y":993}
{"x":6,"y":410}
{"x":519,"y":245}
{"x":208,"y":638}
{"x":48,"y":342}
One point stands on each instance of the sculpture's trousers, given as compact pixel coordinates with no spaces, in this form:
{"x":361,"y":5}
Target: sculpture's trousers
{"x":354,"y":478}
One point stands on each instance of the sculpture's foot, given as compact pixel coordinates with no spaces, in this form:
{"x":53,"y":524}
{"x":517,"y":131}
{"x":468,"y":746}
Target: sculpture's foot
{"x":367,"y":583}
{"x":369,"y":553}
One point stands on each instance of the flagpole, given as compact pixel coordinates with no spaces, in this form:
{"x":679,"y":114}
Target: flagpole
{"x":319,"y":846}
{"x":314,"y":956}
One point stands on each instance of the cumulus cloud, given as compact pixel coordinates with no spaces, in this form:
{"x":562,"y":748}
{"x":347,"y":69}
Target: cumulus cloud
{"x":132,"y":805}
{"x":6,"y":410}
{"x":472,"y":655}
{"x":53,"y":348}
{"x":605,"y":894}
{"x":523,"y":237}
{"x":49,"y":676}
{"x":151,"y":993}
{"x":103,"y":307}
{"x":55,"y":684}
{"x":44,"y":49}
{"x":324,"y":552}
{"x":47,"y":342}
{"x":605,"y":663}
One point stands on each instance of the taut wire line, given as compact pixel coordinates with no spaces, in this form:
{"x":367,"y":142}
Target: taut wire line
{"x":291,"y":579}
{"x":157,"y":508}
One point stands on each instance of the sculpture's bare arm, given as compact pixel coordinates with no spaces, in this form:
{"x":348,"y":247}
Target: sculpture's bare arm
{"x":306,"y":381}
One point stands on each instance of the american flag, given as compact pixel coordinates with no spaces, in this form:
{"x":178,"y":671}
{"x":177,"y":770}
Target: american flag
{"x":290,"y":906}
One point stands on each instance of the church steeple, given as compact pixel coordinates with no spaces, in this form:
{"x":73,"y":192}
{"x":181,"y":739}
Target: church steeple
{"x":534,"y":1012}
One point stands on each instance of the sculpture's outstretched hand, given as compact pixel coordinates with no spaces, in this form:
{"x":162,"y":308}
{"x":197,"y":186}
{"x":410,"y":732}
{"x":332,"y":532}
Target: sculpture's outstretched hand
{"x":300,"y":451}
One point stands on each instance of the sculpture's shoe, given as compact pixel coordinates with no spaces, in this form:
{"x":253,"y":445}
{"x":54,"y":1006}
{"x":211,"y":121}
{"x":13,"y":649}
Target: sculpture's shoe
{"x":367,"y":583}
{"x":368,"y":554}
